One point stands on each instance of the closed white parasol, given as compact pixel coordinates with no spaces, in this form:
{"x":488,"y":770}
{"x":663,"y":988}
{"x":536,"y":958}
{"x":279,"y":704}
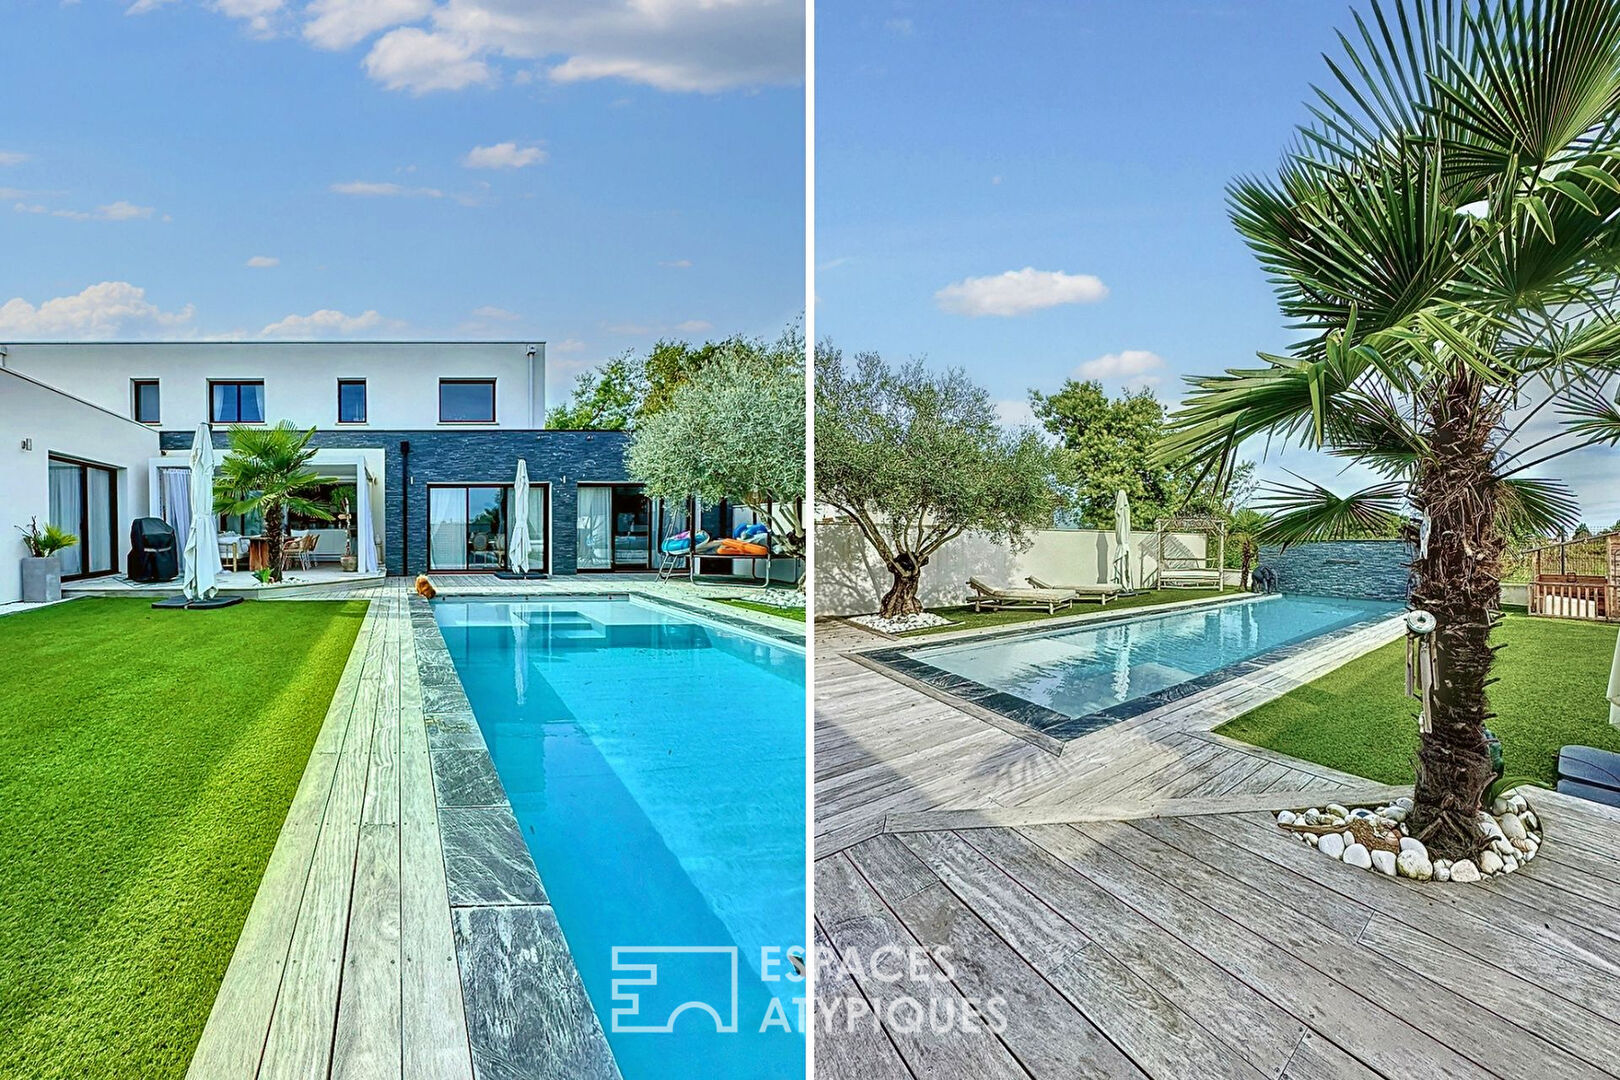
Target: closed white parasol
{"x":202,"y":541}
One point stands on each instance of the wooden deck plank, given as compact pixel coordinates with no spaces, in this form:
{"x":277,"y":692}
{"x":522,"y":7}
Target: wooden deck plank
{"x":1229,"y":1018}
{"x":858,"y":924}
{"x":854,"y":1045}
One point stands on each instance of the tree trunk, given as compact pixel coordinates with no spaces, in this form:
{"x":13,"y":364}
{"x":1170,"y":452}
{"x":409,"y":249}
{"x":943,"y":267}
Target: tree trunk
{"x":1248,"y":565}
{"x":1458,"y":582}
{"x":901,"y":599}
{"x":272,"y":533}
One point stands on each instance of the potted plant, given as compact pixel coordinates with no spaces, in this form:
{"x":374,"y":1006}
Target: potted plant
{"x":42,"y":570}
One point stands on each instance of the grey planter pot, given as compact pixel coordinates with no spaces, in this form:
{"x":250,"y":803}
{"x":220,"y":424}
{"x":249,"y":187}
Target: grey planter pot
{"x":41,"y":580}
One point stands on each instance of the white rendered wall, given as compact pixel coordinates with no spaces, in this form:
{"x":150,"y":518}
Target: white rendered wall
{"x":300,"y":378}
{"x":62,"y":425}
{"x":851,"y":579}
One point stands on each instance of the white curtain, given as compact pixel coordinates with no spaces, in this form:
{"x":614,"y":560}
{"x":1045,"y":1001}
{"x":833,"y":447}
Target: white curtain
{"x":537,"y":528}
{"x":365,"y":540}
{"x":595,"y":528}
{"x":447,"y":539}
{"x":176,"y":484}
{"x":67,"y":512}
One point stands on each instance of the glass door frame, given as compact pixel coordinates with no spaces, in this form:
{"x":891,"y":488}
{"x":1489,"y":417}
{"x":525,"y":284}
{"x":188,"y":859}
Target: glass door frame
{"x":82,"y":527}
{"x":614,"y":565}
{"x":507,"y":489}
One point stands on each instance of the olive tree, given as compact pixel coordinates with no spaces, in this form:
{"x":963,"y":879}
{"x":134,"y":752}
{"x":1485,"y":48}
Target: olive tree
{"x":735,"y":432}
{"x":917,"y":458}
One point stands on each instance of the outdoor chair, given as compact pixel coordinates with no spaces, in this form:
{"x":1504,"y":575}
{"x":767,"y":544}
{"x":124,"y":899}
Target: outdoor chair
{"x":1102,"y":593}
{"x":988,"y":596}
{"x":301,"y":549}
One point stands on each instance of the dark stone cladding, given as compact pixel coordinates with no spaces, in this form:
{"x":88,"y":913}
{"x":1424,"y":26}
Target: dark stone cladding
{"x":1359,"y":569}
{"x":485,"y":456}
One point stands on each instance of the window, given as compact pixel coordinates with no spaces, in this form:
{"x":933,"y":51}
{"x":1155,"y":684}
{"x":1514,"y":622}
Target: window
{"x":351,"y":401}
{"x":466,"y":401}
{"x":145,"y":392}
{"x":236,"y":402}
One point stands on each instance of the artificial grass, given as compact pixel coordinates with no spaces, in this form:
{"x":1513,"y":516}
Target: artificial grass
{"x":1552,"y":676}
{"x":963,"y":617}
{"x":790,"y":614}
{"x":147,"y":760}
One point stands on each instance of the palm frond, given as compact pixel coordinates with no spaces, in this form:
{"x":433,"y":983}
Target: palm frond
{"x":1592,"y":414}
{"x":1536,"y":507}
{"x":1307,"y":511}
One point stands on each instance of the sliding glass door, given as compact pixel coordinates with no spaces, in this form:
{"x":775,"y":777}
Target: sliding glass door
{"x":470,"y":526}
{"x":84,"y":502}
{"x":615,"y":528}
{"x":595,"y":527}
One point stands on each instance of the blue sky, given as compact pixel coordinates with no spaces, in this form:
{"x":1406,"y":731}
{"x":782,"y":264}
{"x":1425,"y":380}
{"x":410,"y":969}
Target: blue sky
{"x":959,"y":144}
{"x":595,"y":173}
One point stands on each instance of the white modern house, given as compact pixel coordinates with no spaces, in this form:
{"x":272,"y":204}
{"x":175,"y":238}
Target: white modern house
{"x":421,"y":439}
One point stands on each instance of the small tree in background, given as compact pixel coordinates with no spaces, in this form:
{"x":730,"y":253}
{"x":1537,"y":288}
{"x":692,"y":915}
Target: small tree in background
{"x":917,"y":458}
{"x":735,"y":433}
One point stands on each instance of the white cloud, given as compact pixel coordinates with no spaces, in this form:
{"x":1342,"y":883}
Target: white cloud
{"x":506,"y":155}
{"x":694,"y":326}
{"x":412,"y":59}
{"x":677,"y":264}
{"x":341,"y":24}
{"x":1131,"y":365}
{"x":900,"y":27}
{"x":123,"y":211}
{"x":386,"y":189}
{"x":490,"y":311}
{"x":679,"y":45}
{"x":100,"y":311}
{"x":263,"y":262}
{"x":116,"y":211}
{"x":12,"y":157}
{"x":261,"y":15}
{"x":141,"y":7}
{"x":327,"y":323}
{"x":1015,"y":413}
{"x":1018,"y":292}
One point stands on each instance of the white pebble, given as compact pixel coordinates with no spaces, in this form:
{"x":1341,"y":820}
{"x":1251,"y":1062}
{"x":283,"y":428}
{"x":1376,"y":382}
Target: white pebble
{"x":1442,"y":873}
{"x":1410,"y":843}
{"x":1512,"y":827}
{"x":1331,"y":845}
{"x":1414,"y":863}
{"x":1500,"y":807}
{"x":1464,"y":870}
{"x":1357,"y":855}
{"x":1287,"y":817}
{"x":1404,"y":802}
{"x":1489,"y":861}
{"x":1509,"y":865}
{"x":1310,"y":838}
{"x":1338,"y":810}
{"x":1384,"y":862}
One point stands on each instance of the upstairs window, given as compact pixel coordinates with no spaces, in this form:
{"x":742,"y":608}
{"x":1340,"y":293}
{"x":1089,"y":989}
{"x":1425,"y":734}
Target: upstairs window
{"x":466,"y":401}
{"x":147,"y":404}
{"x":236,"y":402}
{"x":351,"y":401}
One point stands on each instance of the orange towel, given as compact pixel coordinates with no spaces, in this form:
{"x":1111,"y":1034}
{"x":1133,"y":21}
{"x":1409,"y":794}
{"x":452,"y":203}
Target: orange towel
{"x":741,"y":547}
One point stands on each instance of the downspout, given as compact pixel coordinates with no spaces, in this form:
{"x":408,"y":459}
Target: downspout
{"x":405,"y":506}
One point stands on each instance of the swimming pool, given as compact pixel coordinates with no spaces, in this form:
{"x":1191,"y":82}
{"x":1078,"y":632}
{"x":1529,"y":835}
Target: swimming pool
{"x":1067,"y":682}
{"x":655,"y":763}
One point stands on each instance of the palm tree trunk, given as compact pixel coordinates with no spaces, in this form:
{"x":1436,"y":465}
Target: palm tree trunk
{"x":1458,"y":581}
{"x":901,"y":599}
{"x":272,"y":532}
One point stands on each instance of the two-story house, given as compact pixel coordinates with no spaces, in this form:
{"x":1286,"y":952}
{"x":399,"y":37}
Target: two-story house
{"x":427,"y":433}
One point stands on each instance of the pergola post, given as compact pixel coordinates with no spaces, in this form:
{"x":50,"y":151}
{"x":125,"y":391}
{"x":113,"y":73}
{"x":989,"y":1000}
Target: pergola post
{"x":1220,"y":566}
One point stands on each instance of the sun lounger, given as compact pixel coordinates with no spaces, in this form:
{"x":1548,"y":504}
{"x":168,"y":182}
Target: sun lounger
{"x":1189,"y":579}
{"x":1102,"y":593}
{"x":987,"y":596}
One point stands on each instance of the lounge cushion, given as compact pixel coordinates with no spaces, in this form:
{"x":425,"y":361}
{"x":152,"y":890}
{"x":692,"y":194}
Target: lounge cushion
{"x":1589,"y":792}
{"x":1589,"y":765}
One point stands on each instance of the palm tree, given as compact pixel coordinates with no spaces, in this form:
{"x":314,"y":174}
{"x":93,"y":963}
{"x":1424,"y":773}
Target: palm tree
{"x":1445,"y":235}
{"x":266,"y":470}
{"x":1244,"y":533}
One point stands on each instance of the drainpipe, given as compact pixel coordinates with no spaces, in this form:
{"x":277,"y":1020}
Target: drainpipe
{"x":405,"y":506}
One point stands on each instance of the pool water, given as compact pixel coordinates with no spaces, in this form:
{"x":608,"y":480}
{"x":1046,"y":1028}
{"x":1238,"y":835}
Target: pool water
{"x":1087,"y":670}
{"x":655,"y":762}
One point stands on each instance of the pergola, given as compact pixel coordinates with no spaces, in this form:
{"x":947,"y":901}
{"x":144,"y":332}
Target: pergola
{"x":1193,"y":572}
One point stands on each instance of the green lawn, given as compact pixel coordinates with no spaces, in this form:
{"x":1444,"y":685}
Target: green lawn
{"x":790,"y":614}
{"x":965,"y":618}
{"x":147,"y":760}
{"x":1552,"y":678}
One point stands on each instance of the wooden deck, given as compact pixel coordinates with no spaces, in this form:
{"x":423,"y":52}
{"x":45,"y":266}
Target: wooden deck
{"x":399,"y":930}
{"x":1127,"y":909}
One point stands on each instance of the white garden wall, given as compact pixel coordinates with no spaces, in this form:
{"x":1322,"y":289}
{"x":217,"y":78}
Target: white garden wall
{"x":60,"y":424}
{"x":851,"y":579}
